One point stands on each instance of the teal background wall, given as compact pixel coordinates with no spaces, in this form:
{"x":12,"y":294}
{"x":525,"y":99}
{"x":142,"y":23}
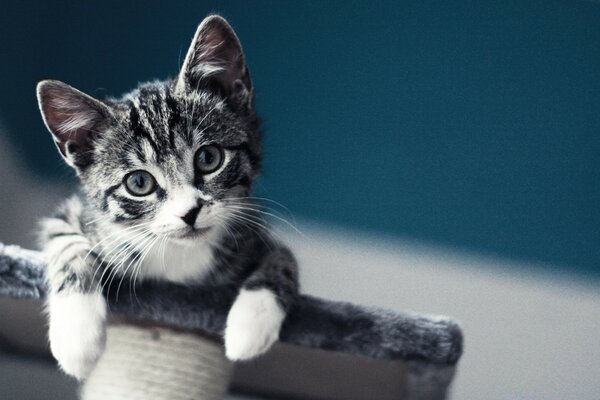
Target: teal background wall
{"x":474,"y":125}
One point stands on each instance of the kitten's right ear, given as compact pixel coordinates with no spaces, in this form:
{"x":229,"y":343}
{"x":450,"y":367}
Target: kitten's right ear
{"x":216,"y":61}
{"x":73,"y":118}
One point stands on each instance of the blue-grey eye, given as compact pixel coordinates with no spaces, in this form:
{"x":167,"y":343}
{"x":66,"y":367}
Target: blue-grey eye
{"x":140,"y":183}
{"x":208,"y":159}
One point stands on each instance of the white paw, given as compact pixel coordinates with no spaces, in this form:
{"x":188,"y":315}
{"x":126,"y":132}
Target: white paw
{"x":77,"y":331}
{"x":253,"y":324}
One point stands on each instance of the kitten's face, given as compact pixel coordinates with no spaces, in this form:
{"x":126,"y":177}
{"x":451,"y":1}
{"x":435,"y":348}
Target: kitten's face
{"x":172,"y":161}
{"x":173,"y":157}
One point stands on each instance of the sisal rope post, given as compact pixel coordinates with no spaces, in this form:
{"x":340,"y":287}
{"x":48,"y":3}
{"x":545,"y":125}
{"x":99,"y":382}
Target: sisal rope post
{"x":157,"y":363}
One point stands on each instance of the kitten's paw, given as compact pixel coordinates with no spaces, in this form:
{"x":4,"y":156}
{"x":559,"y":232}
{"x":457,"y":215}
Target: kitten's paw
{"x":253,"y":324}
{"x":77,"y":331}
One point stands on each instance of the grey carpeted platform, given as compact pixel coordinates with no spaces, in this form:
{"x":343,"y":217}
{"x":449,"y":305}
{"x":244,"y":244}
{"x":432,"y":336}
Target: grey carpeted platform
{"x":429,"y":345}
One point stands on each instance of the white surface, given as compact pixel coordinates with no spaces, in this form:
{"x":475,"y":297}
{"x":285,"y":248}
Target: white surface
{"x":527,"y":336}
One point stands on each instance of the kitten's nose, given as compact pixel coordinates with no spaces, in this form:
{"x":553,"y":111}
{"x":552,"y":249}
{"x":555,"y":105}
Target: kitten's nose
{"x":190,"y":217}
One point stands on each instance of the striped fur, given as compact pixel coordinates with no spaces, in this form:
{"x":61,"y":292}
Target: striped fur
{"x":105,"y":235}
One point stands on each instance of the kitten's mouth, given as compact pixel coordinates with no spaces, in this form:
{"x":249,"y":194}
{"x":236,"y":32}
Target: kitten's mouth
{"x":192,"y":233}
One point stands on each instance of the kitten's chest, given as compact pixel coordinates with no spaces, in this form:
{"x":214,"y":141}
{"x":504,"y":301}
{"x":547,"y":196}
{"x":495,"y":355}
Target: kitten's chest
{"x":177,"y":263}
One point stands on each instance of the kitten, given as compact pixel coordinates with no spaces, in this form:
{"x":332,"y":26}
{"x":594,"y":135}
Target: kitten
{"x":166,"y":173}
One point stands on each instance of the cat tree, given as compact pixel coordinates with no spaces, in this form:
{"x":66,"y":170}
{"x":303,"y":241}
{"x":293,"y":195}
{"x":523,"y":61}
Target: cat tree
{"x":164,"y":343}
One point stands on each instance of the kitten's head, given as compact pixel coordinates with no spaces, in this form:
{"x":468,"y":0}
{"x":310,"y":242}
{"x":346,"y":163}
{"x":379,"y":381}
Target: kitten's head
{"x":169,"y":155}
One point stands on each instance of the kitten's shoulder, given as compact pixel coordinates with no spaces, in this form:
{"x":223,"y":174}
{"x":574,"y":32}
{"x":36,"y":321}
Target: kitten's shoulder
{"x":73,"y":211}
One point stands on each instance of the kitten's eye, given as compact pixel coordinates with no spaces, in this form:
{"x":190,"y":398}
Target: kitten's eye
{"x":140,"y":183}
{"x":208,"y":159}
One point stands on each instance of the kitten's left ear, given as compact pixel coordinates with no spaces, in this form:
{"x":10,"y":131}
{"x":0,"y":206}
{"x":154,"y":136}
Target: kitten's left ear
{"x":215,"y":61}
{"x":74,"y":119}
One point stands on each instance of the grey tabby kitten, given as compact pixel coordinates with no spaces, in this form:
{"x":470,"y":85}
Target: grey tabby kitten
{"x":165,"y":174}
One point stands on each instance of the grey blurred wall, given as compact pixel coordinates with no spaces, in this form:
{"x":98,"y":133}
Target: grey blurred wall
{"x":466,"y":124}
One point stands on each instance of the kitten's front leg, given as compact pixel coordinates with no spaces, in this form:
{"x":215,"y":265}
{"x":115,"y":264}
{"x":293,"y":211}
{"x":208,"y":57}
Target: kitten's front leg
{"x":260,"y":308}
{"x":77,"y":331}
{"x":77,"y":310}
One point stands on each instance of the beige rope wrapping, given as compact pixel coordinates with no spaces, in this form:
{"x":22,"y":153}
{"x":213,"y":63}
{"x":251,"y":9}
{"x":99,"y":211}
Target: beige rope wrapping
{"x":143,"y":363}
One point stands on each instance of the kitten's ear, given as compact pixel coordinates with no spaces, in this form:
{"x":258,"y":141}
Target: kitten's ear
{"x":215,"y":60}
{"x":73,"y":118}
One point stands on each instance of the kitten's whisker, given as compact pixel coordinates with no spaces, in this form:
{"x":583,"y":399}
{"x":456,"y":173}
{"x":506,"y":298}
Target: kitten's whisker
{"x":163,"y":250}
{"x":246,"y":219}
{"x":118,"y":233}
{"x":138,"y":268}
{"x":121,"y":250}
{"x":258,"y":206}
{"x":128,"y":244}
{"x":142,"y":242}
{"x":261,"y":207}
{"x":131,"y":287}
{"x":261,"y":199}
{"x":260,"y":235}
{"x":206,"y":116}
{"x":260,"y":232}
{"x":224,"y":225}
{"x":116,"y":236}
{"x":134,"y":247}
{"x":249,"y":217}
{"x":258,"y":201}
{"x":236,"y":207}
{"x":124,"y":274}
{"x":258,"y":222}
{"x":95,"y":220}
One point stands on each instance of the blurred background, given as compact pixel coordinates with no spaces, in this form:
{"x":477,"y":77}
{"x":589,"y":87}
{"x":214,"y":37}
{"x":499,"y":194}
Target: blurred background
{"x":442,"y":157}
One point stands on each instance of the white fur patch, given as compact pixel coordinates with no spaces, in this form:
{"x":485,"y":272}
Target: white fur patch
{"x":178,"y":262}
{"x":253,"y":324}
{"x":181,"y":200}
{"x":77,"y":331}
